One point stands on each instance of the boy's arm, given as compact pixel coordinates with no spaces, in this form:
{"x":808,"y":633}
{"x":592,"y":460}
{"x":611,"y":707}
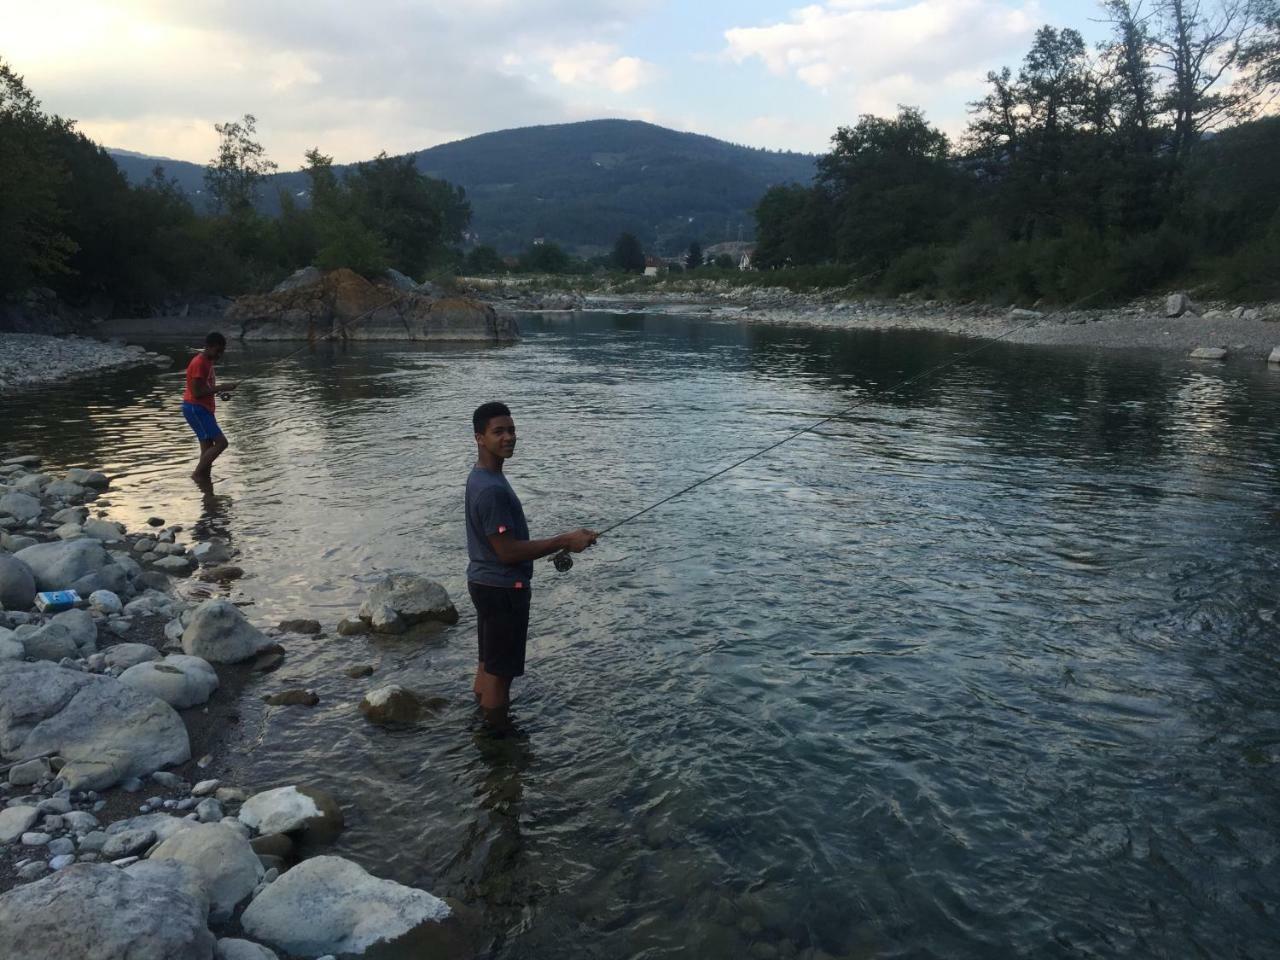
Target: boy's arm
{"x":511,"y":551}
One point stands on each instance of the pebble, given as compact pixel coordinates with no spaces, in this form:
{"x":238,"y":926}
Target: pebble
{"x":131,"y":785}
{"x":205,"y":787}
{"x":209,"y":810}
{"x":35,"y":839}
{"x":33,"y":871}
{"x":62,"y":845}
{"x":62,"y":860}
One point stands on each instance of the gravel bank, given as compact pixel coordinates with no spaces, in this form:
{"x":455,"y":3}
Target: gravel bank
{"x":30,"y":359}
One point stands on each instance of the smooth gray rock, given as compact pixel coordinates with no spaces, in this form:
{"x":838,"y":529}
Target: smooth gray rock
{"x":82,"y":628}
{"x":211,"y":552}
{"x":11,"y":649}
{"x":104,"y":601}
{"x":17,"y":584}
{"x":228,"y":868}
{"x":93,"y":911}
{"x":179,"y":680}
{"x":331,"y":905}
{"x":1208,"y":353}
{"x":15,"y":821}
{"x":1274,"y":356}
{"x":104,"y":730}
{"x":1178,"y":304}
{"x":32,"y":771}
{"x":126,"y":655}
{"x":229,"y":949}
{"x":128,"y":843}
{"x":59,"y":846}
{"x":57,"y":566}
{"x":415,"y":598}
{"x":175,"y":566}
{"x":80,"y":822}
{"x":219,"y":633}
{"x":88,"y":478}
{"x":209,"y":810}
{"x":22,"y":506}
{"x":65,"y":490}
{"x":52,"y":642}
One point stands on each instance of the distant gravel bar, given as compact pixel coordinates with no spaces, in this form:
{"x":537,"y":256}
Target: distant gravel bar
{"x":31,"y":359}
{"x":1138,"y":326}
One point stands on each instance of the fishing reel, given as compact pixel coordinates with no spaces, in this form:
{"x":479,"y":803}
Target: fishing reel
{"x":562,"y":561}
{"x":224,"y":396}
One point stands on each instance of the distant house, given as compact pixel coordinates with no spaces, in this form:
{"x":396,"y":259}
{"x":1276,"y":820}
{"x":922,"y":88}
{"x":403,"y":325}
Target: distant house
{"x":744,"y":263}
{"x":652,"y":265}
{"x":510,"y":262}
{"x":539,"y":241}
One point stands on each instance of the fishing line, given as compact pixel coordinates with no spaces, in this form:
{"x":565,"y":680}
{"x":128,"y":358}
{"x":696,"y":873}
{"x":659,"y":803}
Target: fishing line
{"x":563,"y":561}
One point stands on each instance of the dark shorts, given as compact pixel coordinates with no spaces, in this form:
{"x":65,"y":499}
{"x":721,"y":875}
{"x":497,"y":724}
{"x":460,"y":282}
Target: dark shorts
{"x":502,"y":615}
{"x":202,"y":421}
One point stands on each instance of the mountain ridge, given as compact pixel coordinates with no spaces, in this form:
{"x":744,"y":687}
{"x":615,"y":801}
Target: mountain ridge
{"x":577,"y":184}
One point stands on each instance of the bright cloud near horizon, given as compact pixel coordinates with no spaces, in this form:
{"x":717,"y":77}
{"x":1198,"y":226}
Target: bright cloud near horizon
{"x":155,"y":75}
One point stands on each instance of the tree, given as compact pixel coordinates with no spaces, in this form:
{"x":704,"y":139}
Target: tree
{"x":232,"y":177}
{"x":483,"y":260}
{"x":628,"y":255}
{"x":545,"y":258}
{"x":693,"y":259}
{"x":724,"y":261}
{"x":1260,"y":53}
{"x":34,"y":244}
{"x":891,"y":183}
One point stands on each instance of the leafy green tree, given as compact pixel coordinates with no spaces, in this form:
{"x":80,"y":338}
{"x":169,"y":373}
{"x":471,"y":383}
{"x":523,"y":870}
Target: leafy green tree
{"x":693,"y":258}
{"x":628,"y":255}
{"x":233,"y":176}
{"x":724,"y":262}
{"x":546,"y":258}
{"x":34,"y":244}
{"x":483,"y":260}
{"x":892,"y":184}
{"x":415,"y":216}
{"x":794,"y":227}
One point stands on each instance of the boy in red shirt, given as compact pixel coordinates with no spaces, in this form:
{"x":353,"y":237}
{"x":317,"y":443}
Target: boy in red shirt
{"x":198,"y":404}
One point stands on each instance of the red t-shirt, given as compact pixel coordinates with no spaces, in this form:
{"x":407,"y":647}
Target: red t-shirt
{"x":200,"y":370}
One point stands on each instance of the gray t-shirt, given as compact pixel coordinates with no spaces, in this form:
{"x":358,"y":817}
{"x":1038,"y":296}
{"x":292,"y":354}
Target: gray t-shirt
{"x":493,"y":507}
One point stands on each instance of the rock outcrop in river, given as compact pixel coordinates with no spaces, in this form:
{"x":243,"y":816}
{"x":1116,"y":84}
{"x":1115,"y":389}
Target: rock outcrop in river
{"x":342,"y":305}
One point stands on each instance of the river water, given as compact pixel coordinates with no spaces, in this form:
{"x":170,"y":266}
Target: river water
{"x":985,"y":669}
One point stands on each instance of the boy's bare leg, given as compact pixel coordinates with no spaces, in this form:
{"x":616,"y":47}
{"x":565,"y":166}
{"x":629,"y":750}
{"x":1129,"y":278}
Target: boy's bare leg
{"x":210,"y":450}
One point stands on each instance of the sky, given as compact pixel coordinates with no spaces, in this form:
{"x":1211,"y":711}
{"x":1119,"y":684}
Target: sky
{"x":401,"y":75}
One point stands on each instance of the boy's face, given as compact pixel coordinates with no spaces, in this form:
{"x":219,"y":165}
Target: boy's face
{"x":215,"y":351}
{"x":499,"y":437}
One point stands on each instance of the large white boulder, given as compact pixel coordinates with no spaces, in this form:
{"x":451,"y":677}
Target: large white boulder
{"x":328,"y":905}
{"x":219,"y":633}
{"x":56,"y":566}
{"x":179,"y":680}
{"x":104,"y":730}
{"x":220,"y":855}
{"x":416,"y":599}
{"x":94,"y":911}
{"x":17,"y":584}
{"x":296,"y":810}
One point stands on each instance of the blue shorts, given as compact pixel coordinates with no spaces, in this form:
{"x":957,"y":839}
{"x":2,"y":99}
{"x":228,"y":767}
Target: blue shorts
{"x":202,"y":421}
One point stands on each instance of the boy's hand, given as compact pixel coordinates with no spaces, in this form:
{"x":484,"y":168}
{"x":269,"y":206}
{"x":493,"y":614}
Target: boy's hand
{"x":580,"y":539}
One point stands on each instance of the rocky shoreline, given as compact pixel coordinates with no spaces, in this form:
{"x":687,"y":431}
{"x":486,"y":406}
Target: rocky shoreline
{"x":1170,"y":324}
{"x":32,"y":359}
{"x":118,"y":836}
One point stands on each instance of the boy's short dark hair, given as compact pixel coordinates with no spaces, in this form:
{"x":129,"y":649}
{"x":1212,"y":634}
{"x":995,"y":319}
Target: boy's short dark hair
{"x":215,"y":339}
{"x":486,"y":412}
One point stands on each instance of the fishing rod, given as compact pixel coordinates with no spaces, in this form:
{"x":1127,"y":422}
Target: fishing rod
{"x":563,"y":561}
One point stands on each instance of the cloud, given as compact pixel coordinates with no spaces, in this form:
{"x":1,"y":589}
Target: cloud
{"x":153,"y":76}
{"x":599,"y":65}
{"x":877,"y":50}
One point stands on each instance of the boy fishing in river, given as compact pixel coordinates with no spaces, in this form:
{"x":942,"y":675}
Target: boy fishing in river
{"x":199,"y":403}
{"x":501,"y":560}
